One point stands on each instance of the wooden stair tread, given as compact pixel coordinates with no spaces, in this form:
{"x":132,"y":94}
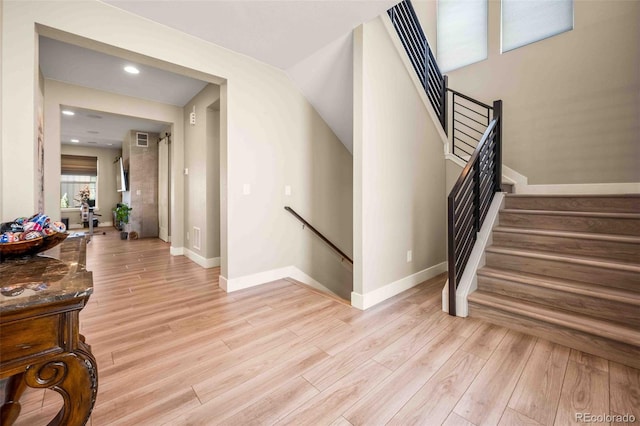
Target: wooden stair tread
{"x":558,"y":317}
{"x":632,"y":239}
{"x":611,"y":215}
{"x":575,"y":259}
{"x":569,"y":286}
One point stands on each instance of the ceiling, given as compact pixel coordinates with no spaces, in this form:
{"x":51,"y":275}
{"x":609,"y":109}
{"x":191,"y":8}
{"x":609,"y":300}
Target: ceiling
{"x":280,"y":33}
{"x":101,"y":129}
{"x":308,"y":39}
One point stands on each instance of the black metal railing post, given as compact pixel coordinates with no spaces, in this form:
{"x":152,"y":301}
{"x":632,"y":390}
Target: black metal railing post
{"x":445,"y":109}
{"x":497,"y":115}
{"x":451,"y":255}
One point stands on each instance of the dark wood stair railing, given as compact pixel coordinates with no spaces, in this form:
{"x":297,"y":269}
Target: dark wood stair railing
{"x":319,"y":234}
{"x":470,"y":199}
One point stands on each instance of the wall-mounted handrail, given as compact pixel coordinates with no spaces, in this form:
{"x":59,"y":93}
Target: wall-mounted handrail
{"x":319,"y":234}
{"x":470,"y":199}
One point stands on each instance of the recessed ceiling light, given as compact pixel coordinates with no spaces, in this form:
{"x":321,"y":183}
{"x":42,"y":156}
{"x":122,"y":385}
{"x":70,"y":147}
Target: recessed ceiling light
{"x":74,"y":140}
{"x":67,"y":112}
{"x":131,"y":69}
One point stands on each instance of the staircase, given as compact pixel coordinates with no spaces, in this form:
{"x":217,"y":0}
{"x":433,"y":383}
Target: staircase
{"x":566,"y":268}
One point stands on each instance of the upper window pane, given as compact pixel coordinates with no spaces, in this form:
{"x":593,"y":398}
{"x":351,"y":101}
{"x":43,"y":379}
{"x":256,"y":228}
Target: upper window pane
{"x":462,"y":33}
{"x":528,"y":21}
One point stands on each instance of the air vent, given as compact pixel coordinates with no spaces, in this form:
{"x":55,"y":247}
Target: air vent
{"x":142,"y":139}
{"x":96,"y":116}
{"x":93,"y":132}
{"x":196,"y":238}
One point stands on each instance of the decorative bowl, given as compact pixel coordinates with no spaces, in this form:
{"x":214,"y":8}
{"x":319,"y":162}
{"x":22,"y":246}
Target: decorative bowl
{"x":31,"y":247}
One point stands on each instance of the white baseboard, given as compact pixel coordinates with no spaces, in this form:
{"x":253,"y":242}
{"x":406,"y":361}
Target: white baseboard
{"x":367,"y":300}
{"x":201,"y":260}
{"x":222,"y":283}
{"x":454,"y":158}
{"x":298,"y":275}
{"x":176,"y":251}
{"x":253,"y":280}
{"x":511,"y":176}
{"x":580,"y":189}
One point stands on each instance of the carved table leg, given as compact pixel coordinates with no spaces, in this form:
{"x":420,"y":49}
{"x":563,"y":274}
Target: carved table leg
{"x":11,"y":404}
{"x":75,"y":377}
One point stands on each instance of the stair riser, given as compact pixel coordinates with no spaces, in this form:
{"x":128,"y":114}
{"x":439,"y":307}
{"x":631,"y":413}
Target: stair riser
{"x":583,"y":204}
{"x":615,"y":250}
{"x":593,"y":306}
{"x":600,"y":225}
{"x":620,"y":352}
{"x":571,"y":271}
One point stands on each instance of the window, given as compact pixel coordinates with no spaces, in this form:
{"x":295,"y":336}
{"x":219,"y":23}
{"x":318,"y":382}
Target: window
{"x":77,"y":173}
{"x":525,"y":22}
{"x":462,"y":33}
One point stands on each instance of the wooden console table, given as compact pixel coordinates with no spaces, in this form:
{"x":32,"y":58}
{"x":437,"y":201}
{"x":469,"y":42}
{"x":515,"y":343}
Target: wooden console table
{"x":40,"y":342}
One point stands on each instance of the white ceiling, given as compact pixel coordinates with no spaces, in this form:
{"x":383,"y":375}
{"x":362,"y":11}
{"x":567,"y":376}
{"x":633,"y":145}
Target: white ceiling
{"x":280,"y":33}
{"x":308,"y":39}
{"x":101,"y":129}
{"x":88,"y":68}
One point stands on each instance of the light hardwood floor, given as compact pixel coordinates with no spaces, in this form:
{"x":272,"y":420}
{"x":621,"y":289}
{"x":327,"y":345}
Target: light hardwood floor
{"x":173,"y":348}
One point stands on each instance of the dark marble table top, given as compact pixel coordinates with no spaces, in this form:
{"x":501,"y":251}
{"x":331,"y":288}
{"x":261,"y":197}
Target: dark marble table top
{"x":55,"y":275}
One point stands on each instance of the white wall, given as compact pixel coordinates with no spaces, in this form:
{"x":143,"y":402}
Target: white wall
{"x":58,"y":93}
{"x":108,"y":197}
{"x":399,"y":169}
{"x":570,"y":102}
{"x":269,"y":131}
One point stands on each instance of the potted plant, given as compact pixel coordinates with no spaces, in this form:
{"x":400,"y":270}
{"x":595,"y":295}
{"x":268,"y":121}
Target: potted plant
{"x":122,"y":217}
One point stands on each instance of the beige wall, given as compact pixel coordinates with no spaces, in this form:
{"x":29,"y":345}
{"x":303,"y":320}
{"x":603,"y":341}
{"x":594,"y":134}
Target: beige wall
{"x":571,"y":103}
{"x":202,"y":184}
{"x":399,"y":168}
{"x":269,"y":131}
{"x":58,"y":93}
{"x":108,"y":197}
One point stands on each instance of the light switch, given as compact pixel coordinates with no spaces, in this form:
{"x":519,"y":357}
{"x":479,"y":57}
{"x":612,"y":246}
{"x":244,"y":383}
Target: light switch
{"x":186,"y":172}
{"x":246,"y":189}
{"x":409,"y":256}
{"x":139,"y":192}
{"x":287,"y":190}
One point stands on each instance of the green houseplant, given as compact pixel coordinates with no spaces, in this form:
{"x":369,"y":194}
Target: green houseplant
{"x":122,"y":217}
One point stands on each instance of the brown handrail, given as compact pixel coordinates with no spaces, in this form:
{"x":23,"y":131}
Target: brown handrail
{"x":319,"y":234}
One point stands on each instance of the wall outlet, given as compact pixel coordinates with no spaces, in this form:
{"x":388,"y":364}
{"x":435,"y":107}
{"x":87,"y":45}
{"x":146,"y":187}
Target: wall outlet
{"x":187,"y":236}
{"x":409,"y":256}
{"x":287,"y":190}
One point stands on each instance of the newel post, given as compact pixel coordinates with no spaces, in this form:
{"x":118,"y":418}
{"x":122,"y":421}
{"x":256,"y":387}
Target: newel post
{"x":497,"y":115}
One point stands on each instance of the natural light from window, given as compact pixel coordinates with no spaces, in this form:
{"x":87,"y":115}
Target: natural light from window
{"x":462,"y":33}
{"x":525,"y":22}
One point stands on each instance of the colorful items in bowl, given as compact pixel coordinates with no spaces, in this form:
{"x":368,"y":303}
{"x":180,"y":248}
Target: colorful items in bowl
{"x":28,"y":236}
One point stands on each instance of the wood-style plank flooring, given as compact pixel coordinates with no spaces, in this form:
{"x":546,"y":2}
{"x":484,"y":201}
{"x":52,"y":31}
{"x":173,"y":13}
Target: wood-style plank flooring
{"x":174,"y":349}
